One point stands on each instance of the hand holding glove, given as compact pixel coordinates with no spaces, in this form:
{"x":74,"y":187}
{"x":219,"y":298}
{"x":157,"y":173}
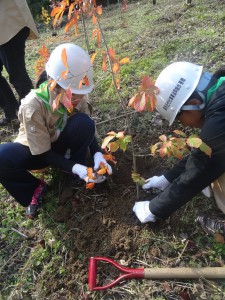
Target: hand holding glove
{"x":143,"y":213}
{"x":159,"y":182}
{"x":98,"y":158}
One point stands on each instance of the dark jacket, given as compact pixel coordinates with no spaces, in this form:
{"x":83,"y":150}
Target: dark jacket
{"x":197,"y":170}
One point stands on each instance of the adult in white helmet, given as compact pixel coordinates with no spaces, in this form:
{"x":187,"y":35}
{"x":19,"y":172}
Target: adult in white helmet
{"x":196,"y":99}
{"x":51,"y":122}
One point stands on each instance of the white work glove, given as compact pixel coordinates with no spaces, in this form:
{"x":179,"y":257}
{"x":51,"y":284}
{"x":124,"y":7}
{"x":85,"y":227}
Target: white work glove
{"x":159,"y":182}
{"x":207,"y":192}
{"x":142,"y":211}
{"x":98,"y":158}
{"x":81,"y":171}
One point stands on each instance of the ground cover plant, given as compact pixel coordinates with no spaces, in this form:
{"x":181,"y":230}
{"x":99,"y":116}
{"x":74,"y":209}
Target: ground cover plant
{"x":48,"y":258}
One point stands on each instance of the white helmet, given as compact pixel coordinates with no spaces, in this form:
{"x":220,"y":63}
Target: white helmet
{"x":79,"y":64}
{"x":176,"y":83}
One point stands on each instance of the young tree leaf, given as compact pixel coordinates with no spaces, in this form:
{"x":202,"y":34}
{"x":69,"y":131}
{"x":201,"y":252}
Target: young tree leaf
{"x":52,"y":84}
{"x":93,"y":57}
{"x":176,"y":152}
{"x":106,"y":141}
{"x":94,"y":20}
{"x":137,"y":178}
{"x":90,"y":185}
{"x":179,"y":132}
{"x":99,"y":10}
{"x":64,"y":58}
{"x":206,"y":149}
{"x":152,"y":101}
{"x":71,"y":8}
{"x":112,"y":53}
{"x":115,"y":67}
{"x":154,"y":148}
{"x":163,"y":138}
{"x":66,"y":100}
{"x":110,"y":157}
{"x":64,"y":74}
{"x":146,"y":82}
{"x":56,"y":102}
{"x":120,"y":134}
{"x":181,"y":143}
{"x":194,"y":141}
{"x":124,"y":61}
{"x":114,"y":146}
{"x":128,"y":138}
{"x":70,"y":24}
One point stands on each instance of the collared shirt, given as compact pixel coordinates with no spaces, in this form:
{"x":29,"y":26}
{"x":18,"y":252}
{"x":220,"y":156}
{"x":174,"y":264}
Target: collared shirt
{"x":15,"y":15}
{"x":38,"y":124}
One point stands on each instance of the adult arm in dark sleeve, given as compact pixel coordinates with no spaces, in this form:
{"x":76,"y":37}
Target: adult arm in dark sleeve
{"x":200,"y":170}
{"x":176,"y":170}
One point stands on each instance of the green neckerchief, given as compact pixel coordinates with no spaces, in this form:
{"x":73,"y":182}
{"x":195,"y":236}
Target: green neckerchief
{"x":43,"y":93}
{"x":214,"y":88}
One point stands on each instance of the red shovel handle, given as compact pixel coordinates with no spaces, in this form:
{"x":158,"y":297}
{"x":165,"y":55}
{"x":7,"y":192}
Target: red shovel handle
{"x":128,"y":273}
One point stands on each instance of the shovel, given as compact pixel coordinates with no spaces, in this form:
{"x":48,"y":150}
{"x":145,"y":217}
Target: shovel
{"x":148,"y":273}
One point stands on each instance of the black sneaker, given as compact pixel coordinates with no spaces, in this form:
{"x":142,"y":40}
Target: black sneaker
{"x":32,"y":209}
{"x":211,"y":225}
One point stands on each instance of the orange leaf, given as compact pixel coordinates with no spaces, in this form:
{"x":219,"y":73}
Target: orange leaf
{"x":124,"y":61}
{"x":86,"y":81}
{"x":115,"y":67}
{"x":90,"y":185}
{"x":112,"y":53}
{"x":109,"y":157}
{"x":153,"y":102}
{"x":55,"y":11}
{"x":94,"y":20}
{"x":146,"y":82}
{"x":52,"y":84}
{"x":56,"y":102}
{"x":70,"y":24}
{"x":104,"y":67}
{"x":163,"y":138}
{"x":93,"y":57}
{"x":64,"y":74}
{"x":64,"y":58}
{"x":118,"y":83}
{"x":66,"y":100}
{"x":71,"y":7}
{"x":99,"y":10}
{"x":103,"y":169}
{"x":106,"y":141}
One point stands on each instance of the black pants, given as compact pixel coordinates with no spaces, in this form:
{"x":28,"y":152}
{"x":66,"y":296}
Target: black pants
{"x":16,"y":159}
{"x":12,"y":57}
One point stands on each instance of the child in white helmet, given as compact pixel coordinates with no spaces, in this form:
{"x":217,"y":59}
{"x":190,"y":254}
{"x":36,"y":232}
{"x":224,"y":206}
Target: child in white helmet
{"x":47,"y":130}
{"x":196,"y":99}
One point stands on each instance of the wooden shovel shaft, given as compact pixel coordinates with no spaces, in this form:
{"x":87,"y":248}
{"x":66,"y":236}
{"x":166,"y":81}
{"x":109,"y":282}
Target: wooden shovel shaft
{"x":206,"y":272}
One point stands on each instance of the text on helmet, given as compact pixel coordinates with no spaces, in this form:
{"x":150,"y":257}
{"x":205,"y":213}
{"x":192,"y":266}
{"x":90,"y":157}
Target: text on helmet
{"x":174,"y":93}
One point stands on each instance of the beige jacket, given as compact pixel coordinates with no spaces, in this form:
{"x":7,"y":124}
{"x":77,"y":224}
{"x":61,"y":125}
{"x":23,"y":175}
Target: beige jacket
{"x":37,"y":123}
{"x":15,"y":15}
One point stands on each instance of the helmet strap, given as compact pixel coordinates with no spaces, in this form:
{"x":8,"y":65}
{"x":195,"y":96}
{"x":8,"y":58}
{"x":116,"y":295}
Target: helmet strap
{"x":195,"y":95}
{"x":193,"y":107}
